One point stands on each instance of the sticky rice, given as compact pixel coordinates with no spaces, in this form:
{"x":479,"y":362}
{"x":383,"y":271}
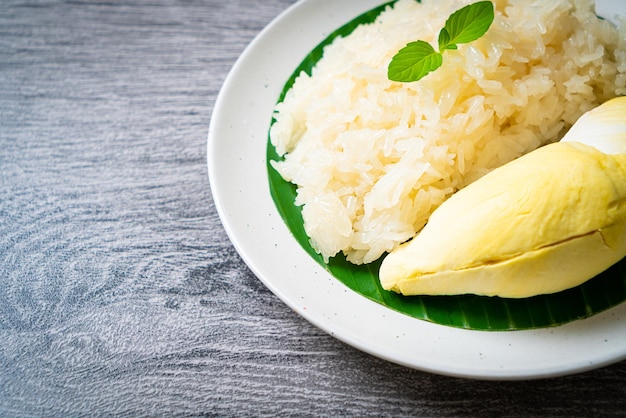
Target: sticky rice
{"x":373,"y":158}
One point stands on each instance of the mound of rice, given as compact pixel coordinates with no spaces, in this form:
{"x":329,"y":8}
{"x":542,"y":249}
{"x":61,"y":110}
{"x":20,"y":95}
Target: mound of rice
{"x":373,"y":158}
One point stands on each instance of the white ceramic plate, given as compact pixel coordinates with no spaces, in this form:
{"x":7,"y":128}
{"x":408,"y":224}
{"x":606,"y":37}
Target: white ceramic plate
{"x":237,"y":170}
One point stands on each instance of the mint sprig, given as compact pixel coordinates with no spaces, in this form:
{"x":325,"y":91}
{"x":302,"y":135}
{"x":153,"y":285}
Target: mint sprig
{"x":419,"y":58}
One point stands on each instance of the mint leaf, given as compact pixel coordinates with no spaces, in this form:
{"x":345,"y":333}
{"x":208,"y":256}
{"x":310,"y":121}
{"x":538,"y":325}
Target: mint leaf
{"x":444,"y":40}
{"x":468,"y":23}
{"x":419,"y":58}
{"x":413,"y":62}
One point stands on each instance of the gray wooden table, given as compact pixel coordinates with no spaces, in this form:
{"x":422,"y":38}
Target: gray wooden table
{"x":120,"y":293}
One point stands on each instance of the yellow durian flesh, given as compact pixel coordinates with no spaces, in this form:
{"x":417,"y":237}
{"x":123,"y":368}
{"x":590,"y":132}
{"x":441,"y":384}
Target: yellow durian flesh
{"x":543,"y":223}
{"x":603,"y":127}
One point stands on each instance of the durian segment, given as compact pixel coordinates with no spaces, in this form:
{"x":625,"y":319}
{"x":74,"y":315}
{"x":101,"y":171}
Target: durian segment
{"x":545,"y":222}
{"x":603,"y":128}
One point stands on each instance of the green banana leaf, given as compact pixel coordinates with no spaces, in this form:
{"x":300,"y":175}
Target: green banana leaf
{"x":467,"y":311}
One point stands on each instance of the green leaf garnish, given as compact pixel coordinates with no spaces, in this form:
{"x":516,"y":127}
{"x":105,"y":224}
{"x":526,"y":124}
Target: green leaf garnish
{"x":444,"y":40}
{"x":414,"y":61}
{"x":469,"y":23}
{"x":419,"y":58}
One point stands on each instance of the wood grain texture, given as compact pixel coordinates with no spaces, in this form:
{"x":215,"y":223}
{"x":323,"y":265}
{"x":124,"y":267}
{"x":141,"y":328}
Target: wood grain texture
{"x":120,"y":293}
